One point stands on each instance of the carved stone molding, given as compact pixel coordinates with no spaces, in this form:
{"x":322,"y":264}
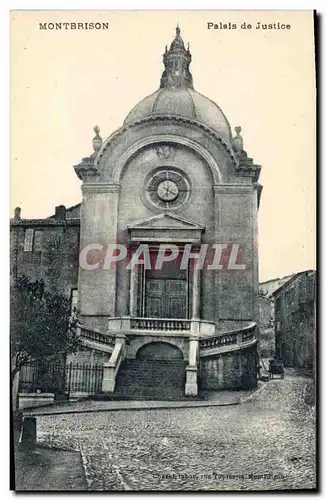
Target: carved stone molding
{"x":107,"y":187}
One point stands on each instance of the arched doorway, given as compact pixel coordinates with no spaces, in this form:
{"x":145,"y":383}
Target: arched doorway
{"x":158,"y":372}
{"x":162,"y":351}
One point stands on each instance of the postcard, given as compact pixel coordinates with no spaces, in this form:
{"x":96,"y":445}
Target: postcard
{"x":163,"y":234}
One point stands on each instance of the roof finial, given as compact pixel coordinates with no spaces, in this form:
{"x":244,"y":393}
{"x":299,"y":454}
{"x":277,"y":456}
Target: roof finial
{"x":97,"y":140}
{"x":237,"y":141}
{"x":177,"y":30}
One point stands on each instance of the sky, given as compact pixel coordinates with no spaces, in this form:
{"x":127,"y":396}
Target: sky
{"x":65,"y":82}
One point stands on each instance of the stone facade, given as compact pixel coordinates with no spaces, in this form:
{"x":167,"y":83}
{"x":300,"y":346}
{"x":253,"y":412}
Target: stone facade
{"x":266,"y":327}
{"x":172,"y":174}
{"x":295,"y":320}
{"x":47,"y":250}
{"x":267,"y":288}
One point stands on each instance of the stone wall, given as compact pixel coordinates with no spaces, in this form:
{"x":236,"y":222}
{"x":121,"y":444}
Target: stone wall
{"x":235,"y":370}
{"x":88,"y":356}
{"x":54,"y":260}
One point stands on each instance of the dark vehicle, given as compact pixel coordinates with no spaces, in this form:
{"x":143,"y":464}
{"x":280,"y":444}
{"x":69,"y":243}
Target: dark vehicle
{"x":276,"y":367}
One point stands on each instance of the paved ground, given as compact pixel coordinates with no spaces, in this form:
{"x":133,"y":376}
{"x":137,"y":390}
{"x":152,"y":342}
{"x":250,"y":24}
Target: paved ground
{"x":265,"y":443}
{"x":49,"y":470}
{"x":208,"y":398}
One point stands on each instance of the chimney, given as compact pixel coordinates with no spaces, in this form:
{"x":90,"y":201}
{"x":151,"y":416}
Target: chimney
{"x":17,"y":213}
{"x":60,"y":212}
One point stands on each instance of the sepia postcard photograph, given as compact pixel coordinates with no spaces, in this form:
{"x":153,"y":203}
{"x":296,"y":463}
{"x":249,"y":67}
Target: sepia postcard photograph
{"x":163,"y":280}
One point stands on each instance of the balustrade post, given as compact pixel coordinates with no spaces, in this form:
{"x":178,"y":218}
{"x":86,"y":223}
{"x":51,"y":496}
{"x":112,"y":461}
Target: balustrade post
{"x":110,"y":368}
{"x":191,"y":388}
{"x":195,"y":328}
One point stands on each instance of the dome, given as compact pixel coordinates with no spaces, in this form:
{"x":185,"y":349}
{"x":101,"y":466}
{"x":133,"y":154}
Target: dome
{"x":184,"y":102}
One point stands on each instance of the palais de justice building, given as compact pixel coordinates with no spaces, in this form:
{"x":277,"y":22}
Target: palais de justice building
{"x":172,"y":174}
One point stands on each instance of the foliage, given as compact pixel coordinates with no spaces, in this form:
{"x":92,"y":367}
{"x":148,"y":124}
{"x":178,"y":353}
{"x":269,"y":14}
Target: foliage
{"x":40,"y":323}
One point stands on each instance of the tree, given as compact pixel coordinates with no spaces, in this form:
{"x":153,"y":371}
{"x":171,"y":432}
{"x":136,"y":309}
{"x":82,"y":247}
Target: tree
{"x":40,"y":324}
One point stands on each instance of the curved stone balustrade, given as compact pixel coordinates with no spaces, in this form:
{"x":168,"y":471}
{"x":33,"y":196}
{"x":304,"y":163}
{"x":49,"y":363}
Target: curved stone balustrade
{"x":160,"y":324}
{"x":230,"y":340}
{"x":95,"y":339}
{"x":209,"y":340}
{"x":222,"y":340}
{"x":186,"y":327}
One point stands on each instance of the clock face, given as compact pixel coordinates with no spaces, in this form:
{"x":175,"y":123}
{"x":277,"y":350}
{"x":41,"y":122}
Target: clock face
{"x":167,"y":190}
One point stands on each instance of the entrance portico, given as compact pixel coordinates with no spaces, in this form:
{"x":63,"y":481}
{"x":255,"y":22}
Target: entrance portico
{"x":165,"y":286}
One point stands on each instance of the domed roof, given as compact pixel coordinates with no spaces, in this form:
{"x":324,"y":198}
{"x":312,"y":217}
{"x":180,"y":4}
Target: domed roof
{"x":184,"y":102}
{"x":177,"y":96}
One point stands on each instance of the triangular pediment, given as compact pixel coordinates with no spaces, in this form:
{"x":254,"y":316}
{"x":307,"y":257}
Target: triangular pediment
{"x":165,"y":221}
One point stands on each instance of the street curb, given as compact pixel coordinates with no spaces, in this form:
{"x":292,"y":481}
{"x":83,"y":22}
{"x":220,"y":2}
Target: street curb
{"x":83,"y":460}
{"x":203,"y":404}
{"x":135,"y":408}
{"x":153,"y":406}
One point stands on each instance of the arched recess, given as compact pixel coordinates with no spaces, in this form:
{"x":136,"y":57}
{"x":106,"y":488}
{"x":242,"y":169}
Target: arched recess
{"x":159,"y":351}
{"x":166,"y":138}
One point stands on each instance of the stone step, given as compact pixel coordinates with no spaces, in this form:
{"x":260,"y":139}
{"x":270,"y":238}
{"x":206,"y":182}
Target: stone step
{"x":151,"y":379}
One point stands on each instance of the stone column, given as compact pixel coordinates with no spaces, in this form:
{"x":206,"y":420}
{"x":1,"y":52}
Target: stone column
{"x":98,"y":225}
{"x":133,"y":291}
{"x":191,"y":388}
{"x":111,"y":368}
{"x":196,"y":292}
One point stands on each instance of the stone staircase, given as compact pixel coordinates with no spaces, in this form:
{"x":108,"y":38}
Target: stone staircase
{"x":167,"y":378}
{"x":151,"y":379}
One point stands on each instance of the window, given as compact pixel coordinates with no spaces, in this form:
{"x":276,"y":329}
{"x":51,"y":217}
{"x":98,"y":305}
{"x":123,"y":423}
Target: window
{"x":28,"y":243}
{"x":33,"y":240}
{"x":38,"y":238}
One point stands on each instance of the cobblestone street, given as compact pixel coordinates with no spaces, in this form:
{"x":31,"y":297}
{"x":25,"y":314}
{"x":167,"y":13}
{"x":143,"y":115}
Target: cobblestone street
{"x":265,"y":443}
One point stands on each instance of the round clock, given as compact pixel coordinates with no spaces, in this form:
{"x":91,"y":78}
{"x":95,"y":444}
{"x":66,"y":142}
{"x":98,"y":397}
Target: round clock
{"x":167,"y":190}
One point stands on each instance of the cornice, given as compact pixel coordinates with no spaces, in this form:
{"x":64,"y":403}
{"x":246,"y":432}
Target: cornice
{"x":103,"y":187}
{"x":176,"y":118}
{"x":232,"y":188}
{"x":44,"y":222}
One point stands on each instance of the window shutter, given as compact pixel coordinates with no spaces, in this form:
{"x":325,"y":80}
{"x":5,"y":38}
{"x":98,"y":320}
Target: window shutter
{"x":28,"y":243}
{"x":38,"y":237}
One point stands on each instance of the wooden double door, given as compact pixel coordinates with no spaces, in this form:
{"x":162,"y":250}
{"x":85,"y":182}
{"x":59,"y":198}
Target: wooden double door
{"x":166,"y":298}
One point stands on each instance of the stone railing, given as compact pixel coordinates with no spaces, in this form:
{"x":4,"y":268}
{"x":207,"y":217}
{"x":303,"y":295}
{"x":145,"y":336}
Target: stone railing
{"x":249,"y":334}
{"x":94,"y":336}
{"x":220,"y":341}
{"x":160,"y":325}
{"x":234,"y":339}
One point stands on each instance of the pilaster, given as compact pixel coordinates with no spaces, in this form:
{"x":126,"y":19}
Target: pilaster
{"x":98,"y":226}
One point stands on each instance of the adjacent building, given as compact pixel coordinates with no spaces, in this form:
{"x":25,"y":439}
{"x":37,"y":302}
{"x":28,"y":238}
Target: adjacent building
{"x":266,"y":327}
{"x":267,"y":288}
{"x":295,"y":320}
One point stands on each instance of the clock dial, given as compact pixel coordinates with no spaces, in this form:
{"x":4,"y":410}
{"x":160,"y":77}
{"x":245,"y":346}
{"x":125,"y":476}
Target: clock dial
{"x":167,"y":190}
